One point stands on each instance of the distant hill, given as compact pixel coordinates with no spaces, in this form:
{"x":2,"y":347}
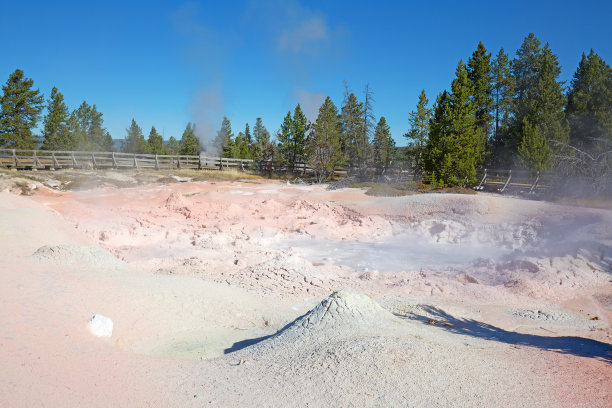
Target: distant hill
{"x":117,"y":144}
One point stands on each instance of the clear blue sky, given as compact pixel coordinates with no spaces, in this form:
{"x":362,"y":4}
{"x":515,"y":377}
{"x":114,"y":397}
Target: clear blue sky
{"x":167,"y":63}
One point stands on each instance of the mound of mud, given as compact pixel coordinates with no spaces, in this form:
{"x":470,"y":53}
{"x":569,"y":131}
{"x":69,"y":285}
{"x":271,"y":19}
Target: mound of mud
{"x":342,"y":315}
{"x":66,"y":255}
{"x":176,"y":202}
{"x":342,"y":308}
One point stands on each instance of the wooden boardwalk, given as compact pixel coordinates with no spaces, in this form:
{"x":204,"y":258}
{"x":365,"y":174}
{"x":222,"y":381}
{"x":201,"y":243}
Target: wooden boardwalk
{"x":501,"y":181}
{"x":49,"y":159}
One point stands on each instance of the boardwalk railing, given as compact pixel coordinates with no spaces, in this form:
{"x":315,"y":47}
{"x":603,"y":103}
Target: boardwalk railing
{"x":503,"y":181}
{"x":515,"y":181}
{"x":53,"y":159}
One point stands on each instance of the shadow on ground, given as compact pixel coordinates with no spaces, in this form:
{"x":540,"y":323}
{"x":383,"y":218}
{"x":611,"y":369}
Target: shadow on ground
{"x":577,"y":346}
{"x":239,"y":345}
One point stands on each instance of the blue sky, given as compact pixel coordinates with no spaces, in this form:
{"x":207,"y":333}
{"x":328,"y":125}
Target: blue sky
{"x":167,"y":63}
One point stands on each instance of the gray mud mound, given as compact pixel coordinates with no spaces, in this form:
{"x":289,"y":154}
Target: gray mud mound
{"x":350,"y":351}
{"x":72,"y":256}
{"x":341,"y":316}
{"x":342,"y":308}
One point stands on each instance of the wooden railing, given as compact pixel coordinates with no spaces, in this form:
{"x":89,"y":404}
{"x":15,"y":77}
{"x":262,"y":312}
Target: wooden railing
{"x":515,"y":181}
{"x":54,"y":159}
{"x":502,"y":181}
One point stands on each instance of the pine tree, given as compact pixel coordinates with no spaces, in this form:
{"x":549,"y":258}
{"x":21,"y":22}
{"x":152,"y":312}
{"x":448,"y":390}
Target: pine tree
{"x":87,"y":130}
{"x":55,"y":124}
{"x":262,"y":139}
{"x":589,"y":104}
{"x":248,"y":149}
{"x":479,"y":73}
{"x":189,"y":144}
{"x":503,"y":89}
{"x":134,"y":140}
{"x":539,"y":98}
{"x":156,"y":142}
{"x":323,"y":147}
{"x":534,"y":150}
{"x":285,"y":141}
{"x":172,"y":146}
{"x":78,"y":124}
{"x":352,"y":111}
{"x":525,"y":67}
{"x":383,"y":145}
{"x":419,"y":132}
{"x":241,"y":147}
{"x":20,"y":110}
{"x":99,"y":138}
{"x":292,"y":138}
{"x":456,"y":144}
{"x":247,"y":135}
{"x":544,"y":101}
{"x":439,"y":132}
{"x":224,"y":142}
{"x":363,"y":146}
{"x":299,"y":129}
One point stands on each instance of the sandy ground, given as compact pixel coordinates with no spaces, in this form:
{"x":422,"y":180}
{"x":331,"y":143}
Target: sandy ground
{"x":267,"y":294}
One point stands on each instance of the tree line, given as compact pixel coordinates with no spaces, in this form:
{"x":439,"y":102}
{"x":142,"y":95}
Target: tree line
{"x":516,"y":113}
{"x":499,"y":113}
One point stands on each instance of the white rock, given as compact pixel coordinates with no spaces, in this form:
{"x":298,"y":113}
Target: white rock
{"x":101,"y":326}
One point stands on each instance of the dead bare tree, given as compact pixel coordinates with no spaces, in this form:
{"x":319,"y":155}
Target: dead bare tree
{"x":594,"y":167}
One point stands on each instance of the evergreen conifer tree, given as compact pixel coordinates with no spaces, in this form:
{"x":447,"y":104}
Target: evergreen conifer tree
{"x":156,"y":142}
{"x":589,"y":104}
{"x":534,"y":151}
{"x":55,"y":124}
{"x":419,"y":132}
{"x":87,"y":130}
{"x":99,"y":138}
{"x":285,"y":141}
{"x":262,"y":139}
{"x":383,"y":145}
{"x":20,"y":108}
{"x":247,"y":135}
{"x":363,"y":147}
{"x":224,"y":142}
{"x":189,"y":144}
{"x":456,"y":144}
{"x":172,"y":146}
{"x":351,"y":116}
{"x":299,"y":129}
{"x":503,"y":101}
{"x":323,"y":147}
{"x":134,"y":140}
{"x":543,"y":105}
{"x":479,"y":73}
{"x":241,"y":147}
{"x":525,"y":67}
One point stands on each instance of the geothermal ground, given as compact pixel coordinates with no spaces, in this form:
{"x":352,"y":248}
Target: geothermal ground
{"x":258,"y":293}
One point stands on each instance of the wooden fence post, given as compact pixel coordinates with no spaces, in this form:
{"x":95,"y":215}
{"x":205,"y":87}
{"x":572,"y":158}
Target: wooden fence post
{"x":507,"y":181}
{"x":36,"y":161}
{"x":483,"y":181}
{"x":55,"y":162}
{"x":135,"y":162}
{"x":93,"y":161}
{"x":114,"y":161}
{"x":535,"y":183}
{"x":74,"y":162}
